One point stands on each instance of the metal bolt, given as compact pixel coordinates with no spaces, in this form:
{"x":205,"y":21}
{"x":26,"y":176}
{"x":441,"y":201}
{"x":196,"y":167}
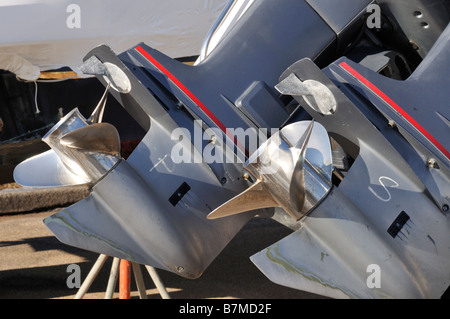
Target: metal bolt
{"x":245,"y":176}
{"x":213,"y":139}
{"x":223,"y":180}
{"x":445,"y":208}
{"x":414,"y":45}
{"x":425,"y":25}
{"x":418,"y":14}
{"x":180,"y":269}
{"x":432,"y":163}
{"x":179,"y":104}
{"x":391,"y":123}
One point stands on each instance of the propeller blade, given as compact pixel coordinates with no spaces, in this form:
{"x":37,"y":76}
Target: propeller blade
{"x":255,"y":197}
{"x":297,"y":186}
{"x":45,"y":170}
{"x":97,"y":114}
{"x":292,"y":169}
{"x":98,"y":137}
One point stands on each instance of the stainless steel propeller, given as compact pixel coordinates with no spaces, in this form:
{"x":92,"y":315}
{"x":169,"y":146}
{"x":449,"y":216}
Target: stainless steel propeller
{"x":292,"y":170}
{"x":99,"y":138}
{"x":82,"y":151}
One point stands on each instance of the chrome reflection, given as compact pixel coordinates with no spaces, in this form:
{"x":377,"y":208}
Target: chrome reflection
{"x":80,"y":153}
{"x":292,"y":170}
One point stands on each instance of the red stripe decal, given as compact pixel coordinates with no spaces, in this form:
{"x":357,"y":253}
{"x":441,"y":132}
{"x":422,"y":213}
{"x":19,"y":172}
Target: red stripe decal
{"x":395,"y":106}
{"x":192,"y":97}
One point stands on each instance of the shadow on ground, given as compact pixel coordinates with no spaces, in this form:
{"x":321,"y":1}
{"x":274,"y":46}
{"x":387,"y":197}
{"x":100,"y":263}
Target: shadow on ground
{"x":231,"y":275}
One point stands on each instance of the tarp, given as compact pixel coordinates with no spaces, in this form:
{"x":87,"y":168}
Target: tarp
{"x":57,"y":33}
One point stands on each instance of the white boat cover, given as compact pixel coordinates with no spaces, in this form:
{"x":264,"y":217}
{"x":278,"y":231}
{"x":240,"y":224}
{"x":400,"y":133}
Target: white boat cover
{"x":56,"y":33}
